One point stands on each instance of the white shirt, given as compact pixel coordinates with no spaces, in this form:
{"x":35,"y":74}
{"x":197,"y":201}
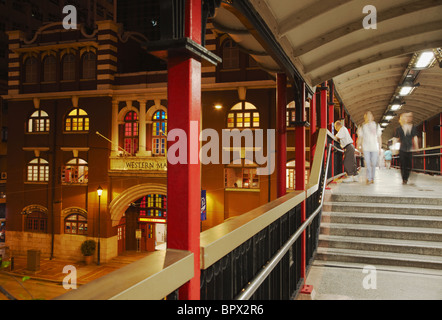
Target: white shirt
{"x":344,"y":137}
{"x":370,"y":132}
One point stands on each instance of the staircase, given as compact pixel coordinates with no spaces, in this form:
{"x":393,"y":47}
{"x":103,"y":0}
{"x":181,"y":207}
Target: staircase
{"x":381,"y":230}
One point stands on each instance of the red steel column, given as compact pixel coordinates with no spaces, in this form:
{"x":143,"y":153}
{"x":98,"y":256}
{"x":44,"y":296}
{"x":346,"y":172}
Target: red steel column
{"x":324,"y":106}
{"x":281,"y":129}
{"x":184,"y":179}
{"x":331,"y":120}
{"x":300,"y":175}
{"x":312,"y":128}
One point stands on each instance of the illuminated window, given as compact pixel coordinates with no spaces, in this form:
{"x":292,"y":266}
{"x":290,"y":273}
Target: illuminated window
{"x":75,"y":171}
{"x":49,"y":69}
{"x":241,"y":177}
{"x":89,"y":65}
{"x":243,"y":115}
{"x":153,"y":205}
{"x":69,"y":67}
{"x":75,"y":224}
{"x":77,"y":120}
{"x":131,"y":132}
{"x":38,"y":122}
{"x":31,"y":70}
{"x":159,"y":132}
{"x":290,"y":113}
{"x":38,"y":170}
{"x":36,"y":221}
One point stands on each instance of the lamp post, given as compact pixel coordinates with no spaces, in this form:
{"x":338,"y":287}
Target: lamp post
{"x":99,"y":192}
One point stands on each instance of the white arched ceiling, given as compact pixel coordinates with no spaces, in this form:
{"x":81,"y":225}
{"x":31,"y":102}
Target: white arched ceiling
{"x":326,"y":40}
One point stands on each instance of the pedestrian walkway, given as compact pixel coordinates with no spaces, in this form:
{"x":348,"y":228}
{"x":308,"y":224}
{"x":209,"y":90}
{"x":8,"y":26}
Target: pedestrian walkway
{"x":339,"y":280}
{"x":50,"y":275}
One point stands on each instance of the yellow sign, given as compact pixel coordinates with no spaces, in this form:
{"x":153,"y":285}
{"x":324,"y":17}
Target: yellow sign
{"x":138,"y":164}
{"x":153,"y":220}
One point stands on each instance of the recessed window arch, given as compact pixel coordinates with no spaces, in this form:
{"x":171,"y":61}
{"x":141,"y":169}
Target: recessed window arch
{"x":75,"y":223}
{"x":159,"y":132}
{"x":89,"y":65}
{"x":230,"y":54}
{"x":36,"y":221}
{"x":77,"y":120}
{"x":38,"y":170}
{"x":31,"y":70}
{"x":68,"y":66}
{"x":38,"y":121}
{"x":243,"y":115}
{"x":49,"y":69}
{"x":131,"y":132}
{"x":75,"y":172}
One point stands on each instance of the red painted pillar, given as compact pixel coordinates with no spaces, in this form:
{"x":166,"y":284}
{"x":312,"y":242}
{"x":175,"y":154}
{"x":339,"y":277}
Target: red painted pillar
{"x":331,"y":120}
{"x":281,"y":128}
{"x":312,"y":128}
{"x":184,"y":179}
{"x":300,"y":175}
{"x":323,"y":121}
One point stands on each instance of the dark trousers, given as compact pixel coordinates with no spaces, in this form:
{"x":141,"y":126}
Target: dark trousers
{"x":406,"y":163}
{"x":350,"y":160}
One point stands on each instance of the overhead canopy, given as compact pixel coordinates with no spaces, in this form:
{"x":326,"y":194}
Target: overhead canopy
{"x":326,"y":40}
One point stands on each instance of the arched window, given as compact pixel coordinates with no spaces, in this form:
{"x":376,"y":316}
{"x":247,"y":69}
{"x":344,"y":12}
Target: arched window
{"x":77,"y":120}
{"x":75,"y":224}
{"x":69,"y":67}
{"x":159,"y":132}
{"x":38,"y":122}
{"x":131,"y":132}
{"x":89,"y":65}
{"x":36,"y":221}
{"x":243,"y":115}
{"x":153,"y":205}
{"x":49,"y":69}
{"x":230,"y":55}
{"x":75,"y":171}
{"x":38,"y":170}
{"x":31,"y":70}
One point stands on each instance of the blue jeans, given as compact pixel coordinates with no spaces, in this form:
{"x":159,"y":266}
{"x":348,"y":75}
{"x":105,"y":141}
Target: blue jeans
{"x":371,"y":161}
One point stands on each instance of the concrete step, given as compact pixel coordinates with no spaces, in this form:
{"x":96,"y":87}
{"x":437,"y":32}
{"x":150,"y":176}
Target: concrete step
{"x":385,"y":199}
{"x":381,"y":244}
{"x":416,"y":221}
{"x":412,"y":209}
{"x":379,"y":231}
{"x":379,"y":258}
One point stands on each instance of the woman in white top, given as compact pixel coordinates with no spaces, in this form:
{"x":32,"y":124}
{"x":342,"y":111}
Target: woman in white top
{"x":369,"y":139}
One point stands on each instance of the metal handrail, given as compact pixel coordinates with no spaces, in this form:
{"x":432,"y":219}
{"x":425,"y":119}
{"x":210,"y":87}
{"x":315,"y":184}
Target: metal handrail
{"x":267,"y":269}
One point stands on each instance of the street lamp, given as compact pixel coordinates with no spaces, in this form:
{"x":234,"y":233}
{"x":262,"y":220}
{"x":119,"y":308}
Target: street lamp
{"x":99,"y":192}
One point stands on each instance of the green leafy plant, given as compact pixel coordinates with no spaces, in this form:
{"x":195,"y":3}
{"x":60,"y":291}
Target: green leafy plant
{"x":88,"y":247}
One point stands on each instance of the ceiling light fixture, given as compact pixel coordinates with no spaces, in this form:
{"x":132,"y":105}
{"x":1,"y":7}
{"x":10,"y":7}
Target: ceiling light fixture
{"x":424,"y":60}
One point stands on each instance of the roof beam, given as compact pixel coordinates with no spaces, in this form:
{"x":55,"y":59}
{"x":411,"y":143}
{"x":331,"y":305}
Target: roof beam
{"x":355,"y":25}
{"x":302,"y":16}
{"x":380,"y":56}
{"x":374,"y":41}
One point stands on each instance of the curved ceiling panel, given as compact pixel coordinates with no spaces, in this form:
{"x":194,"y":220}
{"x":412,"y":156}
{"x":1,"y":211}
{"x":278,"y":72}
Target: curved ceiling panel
{"x":326,"y":40}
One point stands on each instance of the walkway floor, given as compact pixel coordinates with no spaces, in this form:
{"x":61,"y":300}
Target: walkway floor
{"x":47,"y":282}
{"x":338,"y":281}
